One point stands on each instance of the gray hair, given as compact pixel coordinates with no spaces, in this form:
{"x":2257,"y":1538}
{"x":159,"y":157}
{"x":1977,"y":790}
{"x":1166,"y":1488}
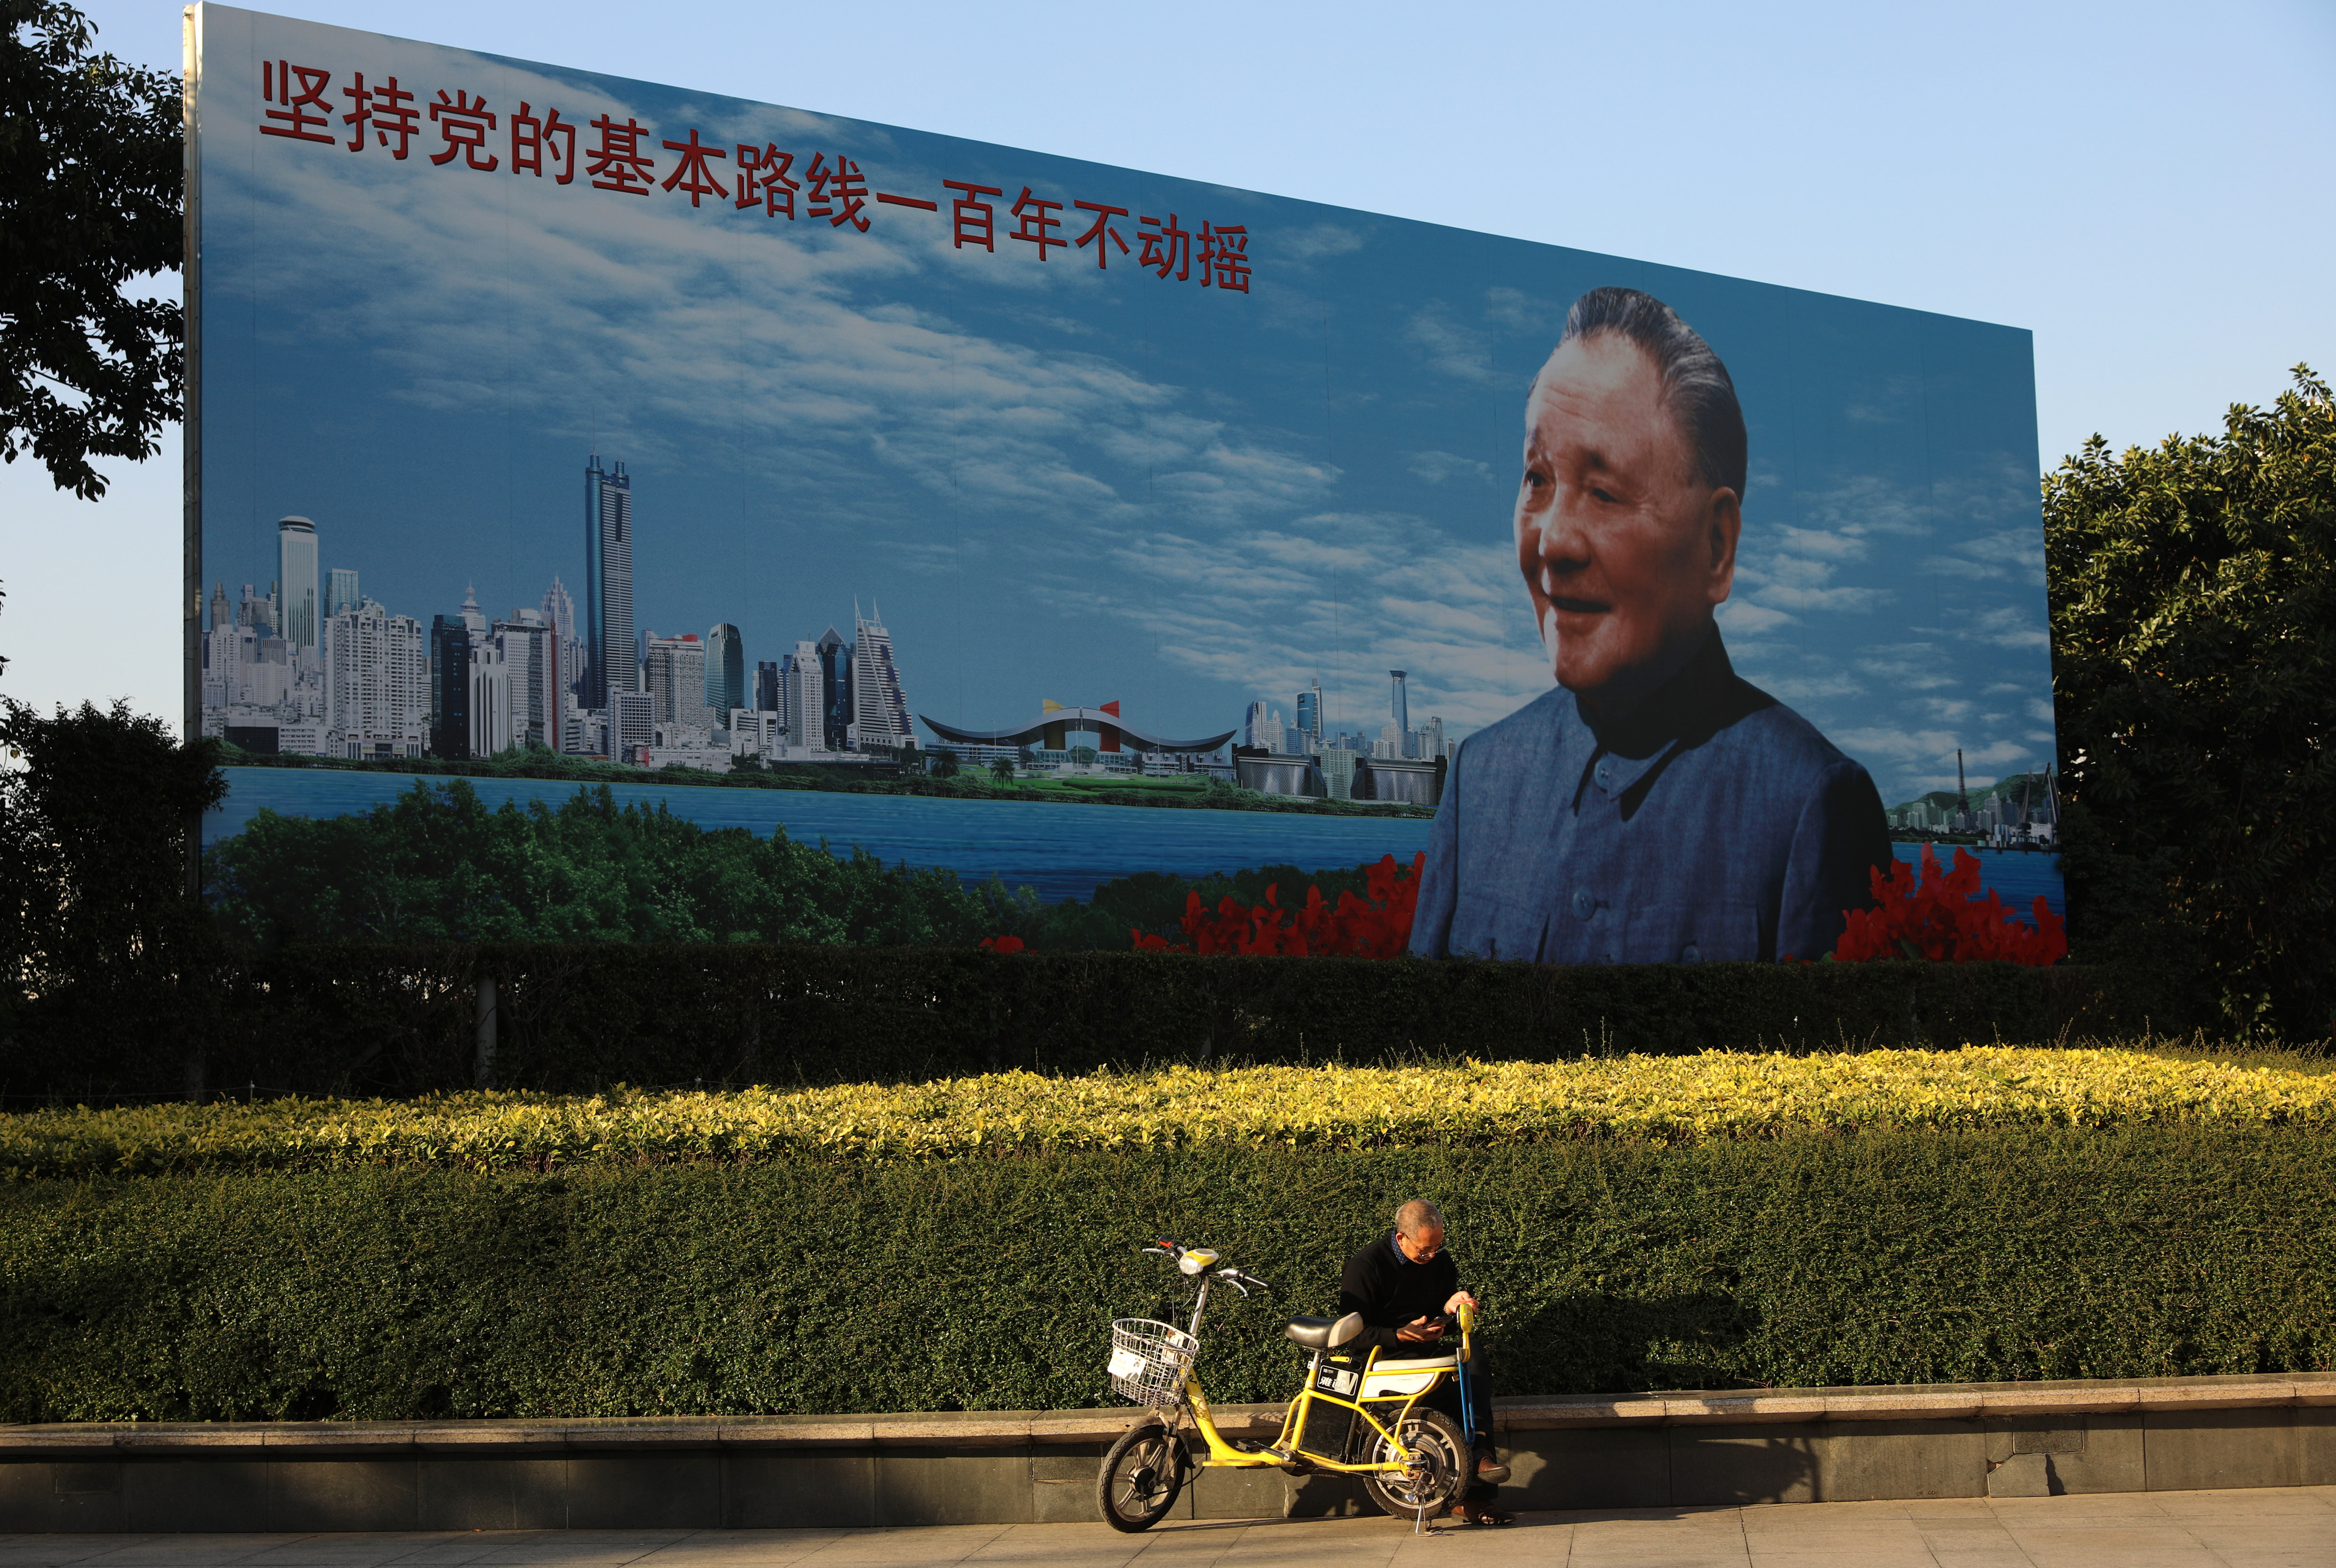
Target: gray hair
{"x":1417,"y":1216}
{"x":1697,"y":390}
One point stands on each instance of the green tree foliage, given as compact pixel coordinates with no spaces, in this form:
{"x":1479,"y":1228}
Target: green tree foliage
{"x":95,"y":833}
{"x":90,"y":184}
{"x":436,"y":864}
{"x":2194,"y":620}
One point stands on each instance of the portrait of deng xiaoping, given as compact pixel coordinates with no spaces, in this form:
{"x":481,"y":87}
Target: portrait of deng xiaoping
{"x":1653,"y":806}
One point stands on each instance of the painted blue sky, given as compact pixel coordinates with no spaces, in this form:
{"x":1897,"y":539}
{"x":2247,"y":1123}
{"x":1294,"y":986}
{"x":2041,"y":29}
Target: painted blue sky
{"x":1056,"y":481}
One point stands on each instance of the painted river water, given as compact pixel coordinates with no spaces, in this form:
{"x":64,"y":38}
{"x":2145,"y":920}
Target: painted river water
{"x":1062,"y":851}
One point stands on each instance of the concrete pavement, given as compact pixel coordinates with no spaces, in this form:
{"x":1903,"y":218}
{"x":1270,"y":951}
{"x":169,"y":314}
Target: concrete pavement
{"x":2293,"y":1527}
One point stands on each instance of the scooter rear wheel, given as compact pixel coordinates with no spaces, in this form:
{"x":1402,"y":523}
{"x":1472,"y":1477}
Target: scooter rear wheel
{"x":1141,"y":1476}
{"x":1443,"y":1466}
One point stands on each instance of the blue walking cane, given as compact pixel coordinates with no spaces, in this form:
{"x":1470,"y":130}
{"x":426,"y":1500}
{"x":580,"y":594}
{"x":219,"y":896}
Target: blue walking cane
{"x":1468,"y":1407}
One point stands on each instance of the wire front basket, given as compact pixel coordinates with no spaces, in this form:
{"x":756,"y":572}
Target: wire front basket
{"x":1149,"y":1360}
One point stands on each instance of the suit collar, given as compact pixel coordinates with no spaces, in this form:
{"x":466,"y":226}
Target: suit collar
{"x":1684,"y":709}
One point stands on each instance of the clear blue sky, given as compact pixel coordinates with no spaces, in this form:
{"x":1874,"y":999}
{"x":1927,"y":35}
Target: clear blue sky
{"x":2144,"y":188}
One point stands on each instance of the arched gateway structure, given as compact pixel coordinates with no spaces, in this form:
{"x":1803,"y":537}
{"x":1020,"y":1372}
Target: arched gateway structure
{"x":1055,"y":722}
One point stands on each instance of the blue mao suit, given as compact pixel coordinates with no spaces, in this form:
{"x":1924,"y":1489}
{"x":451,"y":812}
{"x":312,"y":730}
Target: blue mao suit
{"x":1713,"y":822}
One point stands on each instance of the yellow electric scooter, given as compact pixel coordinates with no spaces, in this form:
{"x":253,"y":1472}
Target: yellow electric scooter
{"x":1356,"y":1414}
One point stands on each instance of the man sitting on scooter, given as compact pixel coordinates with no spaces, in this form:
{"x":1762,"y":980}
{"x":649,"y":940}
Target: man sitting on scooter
{"x":1408,"y":1289}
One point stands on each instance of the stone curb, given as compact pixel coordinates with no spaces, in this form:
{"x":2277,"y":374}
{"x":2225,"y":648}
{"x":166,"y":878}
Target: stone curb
{"x":1013,"y":1428}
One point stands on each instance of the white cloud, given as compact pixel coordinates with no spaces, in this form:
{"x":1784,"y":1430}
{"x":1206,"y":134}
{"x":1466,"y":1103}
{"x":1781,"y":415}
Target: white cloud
{"x":1911,"y":666}
{"x":1800,"y":690}
{"x":1742,"y":616}
{"x":2009,"y":627}
{"x":1802,"y":597}
{"x":1321,"y":241}
{"x":1452,"y":348}
{"x":1438,"y":467}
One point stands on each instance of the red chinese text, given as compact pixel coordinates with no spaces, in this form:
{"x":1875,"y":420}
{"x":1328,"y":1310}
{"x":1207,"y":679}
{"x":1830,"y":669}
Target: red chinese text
{"x":1166,"y":247}
{"x":691,"y":173}
{"x":529,"y":136}
{"x":293,"y":116}
{"x":464,"y":123}
{"x":620,"y":158}
{"x":971,"y":220}
{"x":1038,"y":222}
{"x":388,"y":109}
{"x":763,"y":177}
{"x":1224,"y":252}
{"x":1100,"y":233}
{"x":836,"y":194}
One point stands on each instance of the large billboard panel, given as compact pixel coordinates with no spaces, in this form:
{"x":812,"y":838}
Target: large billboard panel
{"x":1025,"y":518}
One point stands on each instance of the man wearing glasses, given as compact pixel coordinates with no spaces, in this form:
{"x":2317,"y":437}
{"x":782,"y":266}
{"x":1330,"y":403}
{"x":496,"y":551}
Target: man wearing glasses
{"x":1408,"y":1289}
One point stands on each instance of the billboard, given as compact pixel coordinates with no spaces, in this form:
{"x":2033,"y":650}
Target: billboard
{"x":1049,"y":524}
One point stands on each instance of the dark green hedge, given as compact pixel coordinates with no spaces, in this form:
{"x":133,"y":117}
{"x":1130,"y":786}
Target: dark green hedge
{"x":814,"y":1287}
{"x":397,"y":1020}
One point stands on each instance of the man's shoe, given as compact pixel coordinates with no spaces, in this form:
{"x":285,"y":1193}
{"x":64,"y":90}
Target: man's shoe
{"x":1490,"y":1470}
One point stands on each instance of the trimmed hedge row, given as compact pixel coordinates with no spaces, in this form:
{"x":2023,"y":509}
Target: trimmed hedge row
{"x":378,"y":1019}
{"x":1475,"y":1104}
{"x":824,"y":1286}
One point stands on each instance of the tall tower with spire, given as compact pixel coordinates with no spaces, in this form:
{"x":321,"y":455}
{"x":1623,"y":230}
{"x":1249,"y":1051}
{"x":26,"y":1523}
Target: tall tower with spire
{"x":880,"y":718}
{"x":608,"y":659}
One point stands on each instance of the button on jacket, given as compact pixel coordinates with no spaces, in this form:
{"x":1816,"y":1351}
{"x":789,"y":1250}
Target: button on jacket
{"x":1713,"y":822}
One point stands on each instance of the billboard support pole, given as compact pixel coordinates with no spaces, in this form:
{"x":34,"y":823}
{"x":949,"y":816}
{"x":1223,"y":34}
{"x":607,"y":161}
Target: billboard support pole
{"x":484,"y":1070}
{"x":190,"y":421}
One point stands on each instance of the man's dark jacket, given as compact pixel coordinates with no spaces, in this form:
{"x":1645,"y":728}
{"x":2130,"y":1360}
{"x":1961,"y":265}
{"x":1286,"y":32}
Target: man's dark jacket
{"x":1713,"y":823}
{"x":1390,"y":1290}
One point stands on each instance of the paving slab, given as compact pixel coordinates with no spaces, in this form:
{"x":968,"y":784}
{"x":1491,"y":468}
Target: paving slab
{"x":2293,"y":1527}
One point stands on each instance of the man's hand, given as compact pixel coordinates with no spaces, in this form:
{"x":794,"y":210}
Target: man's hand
{"x":1421,"y":1330}
{"x":1459,"y":1299}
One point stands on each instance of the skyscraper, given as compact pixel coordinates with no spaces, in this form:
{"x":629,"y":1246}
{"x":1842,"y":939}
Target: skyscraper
{"x":376,"y":680}
{"x":340,"y":592}
{"x":835,"y":684}
{"x":766,"y":687}
{"x":802,"y":700}
{"x":560,"y":614}
{"x":1309,"y":716}
{"x":450,"y":687}
{"x":219,"y":612}
{"x":1256,"y":726}
{"x":673,"y":671}
{"x":1402,"y":705}
{"x":295,"y":543}
{"x":529,"y":653}
{"x":491,"y":726}
{"x":608,"y":583}
{"x":879,"y":712}
{"x":725,"y":671}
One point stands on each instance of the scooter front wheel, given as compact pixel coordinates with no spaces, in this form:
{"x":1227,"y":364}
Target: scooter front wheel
{"x":1442,"y":1467}
{"x":1141,"y":1476}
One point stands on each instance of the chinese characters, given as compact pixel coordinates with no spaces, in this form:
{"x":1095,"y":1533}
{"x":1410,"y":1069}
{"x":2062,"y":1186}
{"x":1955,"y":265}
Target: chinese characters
{"x":297,"y":104}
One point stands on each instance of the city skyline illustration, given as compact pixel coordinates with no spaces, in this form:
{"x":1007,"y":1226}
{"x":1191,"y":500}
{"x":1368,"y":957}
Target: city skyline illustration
{"x":1061,"y":479}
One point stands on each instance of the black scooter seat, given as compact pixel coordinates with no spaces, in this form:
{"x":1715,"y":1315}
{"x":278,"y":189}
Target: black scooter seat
{"x":1323,"y":1333}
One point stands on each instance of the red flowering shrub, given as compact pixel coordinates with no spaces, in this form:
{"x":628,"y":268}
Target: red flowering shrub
{"x":1377,"y":926}
{"x":1941,"y":917}
{"x":1000,"y":944}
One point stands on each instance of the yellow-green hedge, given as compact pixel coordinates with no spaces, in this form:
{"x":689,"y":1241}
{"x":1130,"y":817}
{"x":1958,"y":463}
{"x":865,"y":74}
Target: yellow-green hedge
{"x":1653,"y":1099}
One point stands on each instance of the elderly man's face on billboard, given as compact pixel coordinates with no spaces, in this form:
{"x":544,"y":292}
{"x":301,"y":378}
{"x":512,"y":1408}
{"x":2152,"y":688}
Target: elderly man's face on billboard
{"x":1626,"y":547}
